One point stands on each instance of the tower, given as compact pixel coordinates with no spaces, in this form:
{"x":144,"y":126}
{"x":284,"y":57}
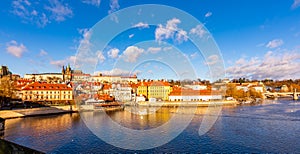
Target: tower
{"x":68,"y":73}
{"x":63,"y":72}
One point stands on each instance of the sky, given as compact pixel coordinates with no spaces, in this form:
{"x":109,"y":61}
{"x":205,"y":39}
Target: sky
{"x":255,"y":39}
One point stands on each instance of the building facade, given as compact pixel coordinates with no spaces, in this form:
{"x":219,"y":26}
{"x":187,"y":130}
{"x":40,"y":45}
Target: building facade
{"x":154,"y":89}
{"x":194,"y":95}
{"x":64,"y":76}
{"x":114,"y":79}
{"x":39,"y":91}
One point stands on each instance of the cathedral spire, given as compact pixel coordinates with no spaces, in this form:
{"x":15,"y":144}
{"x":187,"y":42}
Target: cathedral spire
{"x":63,"y":69}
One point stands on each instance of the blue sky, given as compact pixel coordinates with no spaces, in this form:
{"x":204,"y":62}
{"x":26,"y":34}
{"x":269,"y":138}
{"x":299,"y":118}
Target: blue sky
{"x":257,"y":38}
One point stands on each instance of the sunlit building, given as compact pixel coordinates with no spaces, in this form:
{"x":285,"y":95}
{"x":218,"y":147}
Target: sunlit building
{"x":64,"y":76}
{"x":194,"y":95}
{"x":114,"y":79}
{"x":39,"y":91}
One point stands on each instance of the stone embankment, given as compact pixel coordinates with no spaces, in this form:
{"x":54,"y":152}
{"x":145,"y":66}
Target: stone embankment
{"x":20,"y":113}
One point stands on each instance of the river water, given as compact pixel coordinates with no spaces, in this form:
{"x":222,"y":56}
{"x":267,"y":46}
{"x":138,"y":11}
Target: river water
{"x":271,"y":127}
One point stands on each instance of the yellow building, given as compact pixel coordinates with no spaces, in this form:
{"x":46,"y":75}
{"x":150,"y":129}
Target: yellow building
{"x":39,"y":91}
{"x":159,"y":90}
{"x":142,"y":89}
{"x":154,"y":89}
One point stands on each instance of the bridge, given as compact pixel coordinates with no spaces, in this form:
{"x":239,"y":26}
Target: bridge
{"x":282,"y":94}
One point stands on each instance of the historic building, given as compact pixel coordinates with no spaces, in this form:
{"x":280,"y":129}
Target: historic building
{"x":64,"y":76}
{"x":154,"y":89}
{"x":4,"y":71}
{"x":114,"y":79}
{"x":41,"y":91}
{"x":191,"y":95}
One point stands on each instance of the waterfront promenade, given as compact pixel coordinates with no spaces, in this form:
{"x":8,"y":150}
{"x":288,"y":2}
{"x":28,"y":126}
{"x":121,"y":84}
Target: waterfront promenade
{"x":21,"y":113}
{"x":186,"y":103}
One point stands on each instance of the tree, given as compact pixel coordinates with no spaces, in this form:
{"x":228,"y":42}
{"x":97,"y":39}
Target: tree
{"x":7,"y":89}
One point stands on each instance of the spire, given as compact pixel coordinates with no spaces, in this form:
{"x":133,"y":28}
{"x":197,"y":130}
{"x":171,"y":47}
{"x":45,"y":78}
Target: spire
{"x":63,"y":69}
{"x":68,"y":68}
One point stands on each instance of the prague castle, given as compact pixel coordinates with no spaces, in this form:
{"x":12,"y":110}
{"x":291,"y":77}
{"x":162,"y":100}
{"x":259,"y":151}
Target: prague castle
{"x":64,"y":76}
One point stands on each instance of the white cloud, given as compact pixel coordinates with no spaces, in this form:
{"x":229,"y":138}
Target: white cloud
{"x":132,"y":53}
{"x":181,"y":36}
{"x":27,"y":12}
{"x":141,"y":25}
{"x":114,"y":6}
{"x":275,"y":66}
{"x":154,"y":49}
{"x":194,"y":55}
{"x":92,"y":2}
{"x":296,"y":4}
{"x":275,"y":43}
{"x":100,"y":56}
{"x":85,"y":40}
{"x":167,"y":48}
{"x":34,"y":12}
{"x":43,"y":53}
{"x":131,"y":36}
{"x":198,"y":30}
{"x":59,"y":11}
{"x":60,"y":63}
{"x":113,"y":53}
{"x":170,"y":31}
{"x":211,"y":60}
{"x":208,"y":14}
{"x":15,"y":49}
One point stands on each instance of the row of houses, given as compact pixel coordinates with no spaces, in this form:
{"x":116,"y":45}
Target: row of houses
{"x":68,"y":75}
{"x":141,"y":91}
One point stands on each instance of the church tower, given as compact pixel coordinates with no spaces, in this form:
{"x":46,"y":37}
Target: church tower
{"x":68,"y":73}
{"x":63,"y":73}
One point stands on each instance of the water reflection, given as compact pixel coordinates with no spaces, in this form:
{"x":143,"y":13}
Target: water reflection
{"x":265,"y":128}
{"x":40,"y":132}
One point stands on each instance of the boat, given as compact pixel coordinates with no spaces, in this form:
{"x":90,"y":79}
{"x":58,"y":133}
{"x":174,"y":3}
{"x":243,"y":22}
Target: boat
{"x":101,"y":105}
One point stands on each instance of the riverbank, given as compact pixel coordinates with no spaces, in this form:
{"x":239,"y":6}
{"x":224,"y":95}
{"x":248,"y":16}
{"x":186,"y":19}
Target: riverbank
{"x":21,"y":113}
{"x":187,"y":104}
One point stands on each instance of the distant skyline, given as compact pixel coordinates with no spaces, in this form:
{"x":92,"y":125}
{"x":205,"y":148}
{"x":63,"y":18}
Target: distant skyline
{"x":257,"y":39}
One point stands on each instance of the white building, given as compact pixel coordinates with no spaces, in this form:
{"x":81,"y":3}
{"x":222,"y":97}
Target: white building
{"x":121,"y":92}
{"x":140,"y":98}
{"x":197,"y":87}
{"x":193,"y":95}
{"x":114,"y":79}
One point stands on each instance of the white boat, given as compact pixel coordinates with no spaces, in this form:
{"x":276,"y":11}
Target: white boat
{"x":90,"y":104}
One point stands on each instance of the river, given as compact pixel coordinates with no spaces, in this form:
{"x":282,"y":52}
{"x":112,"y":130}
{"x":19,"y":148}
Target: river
{"x":271,"y":127}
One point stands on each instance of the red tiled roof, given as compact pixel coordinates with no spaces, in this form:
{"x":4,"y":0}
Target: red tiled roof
{"x":190,"y":92}
{"x":46,"y":86}
{"x":106,"y":86}
{"x":153,"y":83}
